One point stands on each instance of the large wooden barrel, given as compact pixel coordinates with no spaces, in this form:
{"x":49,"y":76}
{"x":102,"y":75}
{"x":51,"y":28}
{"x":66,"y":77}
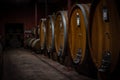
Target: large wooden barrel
{"x":61,"y":29}
{"x":36,"y":44}
{"x":78,"y":32}
{"x":50,"y":42}
{"x":43,"y":33}
{"x":104,"y":27}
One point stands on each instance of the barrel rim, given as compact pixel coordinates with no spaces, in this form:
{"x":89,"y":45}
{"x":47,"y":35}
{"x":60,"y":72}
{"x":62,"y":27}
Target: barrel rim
{"x":92,"y":10}
{"x":50,"y":17}
{"x":35,"y":41}
{"x":30,"y":42}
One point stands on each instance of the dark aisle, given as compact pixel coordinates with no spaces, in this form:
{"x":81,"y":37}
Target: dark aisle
{"x":14,"y":35}
{"x":21,"y":64}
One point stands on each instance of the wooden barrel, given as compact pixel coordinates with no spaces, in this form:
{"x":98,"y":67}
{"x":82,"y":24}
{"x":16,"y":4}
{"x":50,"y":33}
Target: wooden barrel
{"x":36,"y":44}
{"x":30,"y":42}
{"x":78,"y":42}
{"x":50,"y":42}
{"x":104,"y":27}
{"x":43,"y":33}
{"x":61,"y":29}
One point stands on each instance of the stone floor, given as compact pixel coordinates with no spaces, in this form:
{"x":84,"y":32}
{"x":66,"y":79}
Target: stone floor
{"x":21,"y":64}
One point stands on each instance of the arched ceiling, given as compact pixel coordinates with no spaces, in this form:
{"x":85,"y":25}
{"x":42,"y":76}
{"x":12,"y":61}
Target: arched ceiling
{"x":27,"y":1}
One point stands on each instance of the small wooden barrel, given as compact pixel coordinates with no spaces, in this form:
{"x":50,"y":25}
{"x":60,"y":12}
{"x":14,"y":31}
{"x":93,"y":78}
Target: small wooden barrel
{"x":104,"y":27}
{"x":50,"y":42}
{"x":61,"y":29}
{"x":43,"y":33}
{"x":78,"y":32}
{"x":30,"y":42}
{"x":36,"y":44}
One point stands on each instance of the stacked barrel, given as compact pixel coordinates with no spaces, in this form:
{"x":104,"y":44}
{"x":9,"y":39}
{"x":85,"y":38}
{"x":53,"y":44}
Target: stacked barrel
{"x":87,"y":39}
{"x":34,"y":41}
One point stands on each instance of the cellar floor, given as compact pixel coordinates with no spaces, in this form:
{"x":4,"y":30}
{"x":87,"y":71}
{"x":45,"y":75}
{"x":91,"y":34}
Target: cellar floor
{"x":22,"y":64}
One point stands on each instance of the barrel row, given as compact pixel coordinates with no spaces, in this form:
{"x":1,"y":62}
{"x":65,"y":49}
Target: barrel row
{"x":90,"y":29}
{"x":95,"y":32}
